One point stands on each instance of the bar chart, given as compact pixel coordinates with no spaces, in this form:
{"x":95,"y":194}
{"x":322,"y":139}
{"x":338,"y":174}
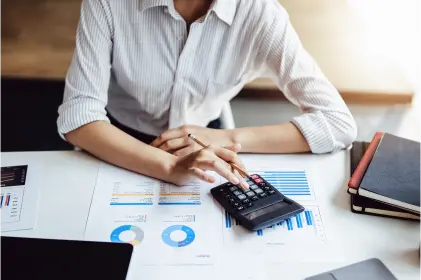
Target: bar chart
{"x":10,"y":205}
{"x":305,"y":227}
{"x":293,"y":184}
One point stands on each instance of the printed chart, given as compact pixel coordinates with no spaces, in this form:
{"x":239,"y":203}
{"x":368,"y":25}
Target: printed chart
{"x":174,"y":195}
{"x":293,"y":184}
{"x":13,"y":180}
{"x":169,"y":232}
{"x":13,"y":175}
{"x":135,"y":240}
{"x":136,"y":193}
{"x":305,"y":228}
{"x":11,"y":204}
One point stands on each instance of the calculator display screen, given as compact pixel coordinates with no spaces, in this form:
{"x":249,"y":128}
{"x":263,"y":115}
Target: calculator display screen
{"x":263,"y":211}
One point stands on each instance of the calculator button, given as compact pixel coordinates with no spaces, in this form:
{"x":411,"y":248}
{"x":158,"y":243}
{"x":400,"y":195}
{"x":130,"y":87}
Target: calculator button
{"x":232,"y":200}
{"x":245,"y":201}
{"x":254,"y":198}
{"x":221,"y":189}
{"x":236,"y":204}
{"x":250,"y":194}
{"x":254,"y":176}
{"x":262,"y":195}
{"x":258,"y":180}
{"x":249,"y":204}
{"x":228,"y":196}
{"x":271,"y":192}
{"x":241,"y":197}
{"x":237,"y":192}
{"x":253,"y":187}
{"x":267,"y":188}
{"x":248,"y":179}
{"x":250,"y":183}
{"x":240,"y":208}
{"x":233,"y":188}
{"x":262,"y":184}
{"x":258,"y":191}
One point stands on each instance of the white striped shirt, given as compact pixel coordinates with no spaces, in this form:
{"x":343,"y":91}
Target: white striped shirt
{"x":136,"y":59}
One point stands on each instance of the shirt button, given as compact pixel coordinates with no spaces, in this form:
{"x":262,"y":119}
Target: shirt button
{"x":166,"y":10}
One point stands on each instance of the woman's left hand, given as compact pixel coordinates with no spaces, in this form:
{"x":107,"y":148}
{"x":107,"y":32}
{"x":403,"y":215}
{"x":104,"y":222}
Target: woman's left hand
{"x":177,"y":142}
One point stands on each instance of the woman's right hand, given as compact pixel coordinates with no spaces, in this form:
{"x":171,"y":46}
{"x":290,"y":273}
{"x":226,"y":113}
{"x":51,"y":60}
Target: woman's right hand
{"x":210,"y":158}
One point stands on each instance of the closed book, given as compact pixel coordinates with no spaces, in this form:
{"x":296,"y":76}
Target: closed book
{"x":393,"y":175}
{"x":364,"y":205}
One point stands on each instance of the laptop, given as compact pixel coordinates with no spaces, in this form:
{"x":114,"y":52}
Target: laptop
{"x":371,"y":269}
{"x":33,"y":258}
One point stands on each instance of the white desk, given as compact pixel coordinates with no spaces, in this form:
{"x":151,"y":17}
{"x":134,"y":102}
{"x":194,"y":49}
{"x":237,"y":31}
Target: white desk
{"x":69,"y":180}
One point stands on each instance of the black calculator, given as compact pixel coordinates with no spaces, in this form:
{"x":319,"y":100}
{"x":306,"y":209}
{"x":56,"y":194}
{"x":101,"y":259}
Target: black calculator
{"x":259,"y":207}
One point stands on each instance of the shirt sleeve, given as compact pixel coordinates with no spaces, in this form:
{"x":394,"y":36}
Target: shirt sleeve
{"x":325,"y":122}
{"x":88,"y":77}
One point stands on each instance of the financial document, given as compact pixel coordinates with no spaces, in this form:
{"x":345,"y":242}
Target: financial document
{"x":166,"y":224}
{"x":170,"y":225}
{"x":18,"y":197}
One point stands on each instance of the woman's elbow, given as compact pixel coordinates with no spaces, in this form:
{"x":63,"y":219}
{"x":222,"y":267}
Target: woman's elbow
{"x":346,"y":132}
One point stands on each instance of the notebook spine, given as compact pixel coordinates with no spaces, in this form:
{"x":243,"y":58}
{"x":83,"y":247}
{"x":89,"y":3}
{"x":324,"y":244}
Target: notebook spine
{"x":358,"y":175}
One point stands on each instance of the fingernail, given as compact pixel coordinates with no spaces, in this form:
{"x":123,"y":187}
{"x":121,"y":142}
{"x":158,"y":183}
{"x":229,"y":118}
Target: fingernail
{"x":238,"y":146}
{"x":245,"y":185}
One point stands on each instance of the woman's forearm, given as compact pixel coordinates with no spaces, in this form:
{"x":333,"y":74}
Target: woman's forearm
{"x":282,"y":138}
{"x":112,"y":145}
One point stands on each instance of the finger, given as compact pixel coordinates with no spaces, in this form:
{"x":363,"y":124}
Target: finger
{"x":235,"y":148}
{"x":187,"y":151}
{"x":203,"y":175}
{"x":228,"y":156}
{"x":220,"y":167}
{"x":243,"y":183}
{"x":174,"y":144}
{"x":171,"y":134}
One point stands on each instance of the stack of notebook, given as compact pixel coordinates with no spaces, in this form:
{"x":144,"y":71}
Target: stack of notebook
{"x":385,"y":177}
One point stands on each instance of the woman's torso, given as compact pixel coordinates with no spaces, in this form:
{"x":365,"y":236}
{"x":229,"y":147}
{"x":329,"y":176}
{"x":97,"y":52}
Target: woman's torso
{"x":163,"y":77}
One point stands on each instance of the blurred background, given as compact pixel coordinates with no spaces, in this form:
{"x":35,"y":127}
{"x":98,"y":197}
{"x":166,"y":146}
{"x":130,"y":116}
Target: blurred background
{"x":369,"y":49}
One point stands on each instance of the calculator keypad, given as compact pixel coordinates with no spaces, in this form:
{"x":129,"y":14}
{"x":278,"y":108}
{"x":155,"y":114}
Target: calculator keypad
{"x":242,"y":196}
{"x":241,"y":199}
{"x":258,"y":191}
{"x":250,"y":193}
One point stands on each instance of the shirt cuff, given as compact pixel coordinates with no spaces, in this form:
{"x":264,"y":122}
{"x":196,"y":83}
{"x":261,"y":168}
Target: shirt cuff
{"x":316,"y":131}
{"x":72,"y":119}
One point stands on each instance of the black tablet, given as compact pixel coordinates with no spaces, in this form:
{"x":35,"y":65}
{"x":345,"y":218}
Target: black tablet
{"x":32,"y":258}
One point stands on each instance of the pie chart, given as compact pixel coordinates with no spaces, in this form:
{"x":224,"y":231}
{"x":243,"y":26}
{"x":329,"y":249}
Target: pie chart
{"x":177,"y":229}
{"x":138,"y":234}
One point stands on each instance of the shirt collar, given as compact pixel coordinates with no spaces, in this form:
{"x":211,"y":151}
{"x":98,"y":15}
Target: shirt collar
{"x":224,"y":9}
{"x":146,"y":4}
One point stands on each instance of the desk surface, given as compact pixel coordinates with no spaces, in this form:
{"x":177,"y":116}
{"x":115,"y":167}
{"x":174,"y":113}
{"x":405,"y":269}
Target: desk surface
{"x":69,"y":180}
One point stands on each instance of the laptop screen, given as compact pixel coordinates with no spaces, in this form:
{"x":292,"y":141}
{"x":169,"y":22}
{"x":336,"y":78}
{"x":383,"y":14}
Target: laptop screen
{"x":30,"y":258}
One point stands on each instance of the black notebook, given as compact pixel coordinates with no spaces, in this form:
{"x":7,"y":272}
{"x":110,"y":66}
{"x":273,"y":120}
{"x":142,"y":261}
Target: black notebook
{"x":364,"y":205}
{"x":393,"y":176}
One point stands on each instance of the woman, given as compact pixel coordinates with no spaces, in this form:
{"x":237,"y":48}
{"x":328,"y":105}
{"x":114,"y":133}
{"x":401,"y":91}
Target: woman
{"x":164,"y":68}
